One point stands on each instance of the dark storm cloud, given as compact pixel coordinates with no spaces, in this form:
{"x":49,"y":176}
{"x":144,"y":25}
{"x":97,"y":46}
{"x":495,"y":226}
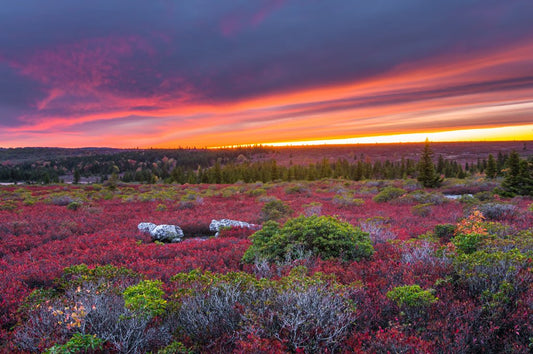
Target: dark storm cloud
{"x":225,"y":51}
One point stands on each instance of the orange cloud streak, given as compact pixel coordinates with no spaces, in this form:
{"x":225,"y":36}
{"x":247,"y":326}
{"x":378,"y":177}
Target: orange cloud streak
{"x":303,"y":114}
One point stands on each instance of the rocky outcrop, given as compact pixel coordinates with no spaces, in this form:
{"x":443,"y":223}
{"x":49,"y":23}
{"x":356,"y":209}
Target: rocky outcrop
{"x":162,"y":233}
{"x":217,"y":225}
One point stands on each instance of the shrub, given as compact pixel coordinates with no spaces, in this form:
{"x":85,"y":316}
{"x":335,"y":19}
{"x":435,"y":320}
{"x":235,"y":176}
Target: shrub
{"x":255,"y":192}
{"x":422,"y":209}
{"x":468,"y":199}
{"x":175,"y":348}
{"x":146,"y":298}
{"x":345,"y":200}
{"x":73,"y":205}
{"x":190,"y":200}
{"x":412,"y":299}
{"x":378,"y":230}
{"x":424,"y":197}
{"x":473,"y":224}
{"x":313,"y":208}
{"x":484,"y":196}
{"x":324,"y":236}
{"x":467,"y":243}
{"x":61,"y":199}
{"x":388,"y":193}
{"x":497,"y":211}
{"x":444,"y":231}
{"x":79,"y":343}
{"x":91,"y":301}
{"x":275,"y":210}
{"x":486,"y":272}
{"x":411,"y":296}
{"x":297,"y":189}
{"x":309,"y":313}
{"x":420,"y":252}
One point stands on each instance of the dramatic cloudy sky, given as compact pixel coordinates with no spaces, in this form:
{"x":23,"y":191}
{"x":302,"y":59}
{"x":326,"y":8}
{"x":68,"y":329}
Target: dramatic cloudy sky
{"x":136,"y":73}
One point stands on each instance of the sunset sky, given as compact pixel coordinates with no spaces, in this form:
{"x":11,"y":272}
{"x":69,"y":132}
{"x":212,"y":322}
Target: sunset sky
{"x":138,"y":73}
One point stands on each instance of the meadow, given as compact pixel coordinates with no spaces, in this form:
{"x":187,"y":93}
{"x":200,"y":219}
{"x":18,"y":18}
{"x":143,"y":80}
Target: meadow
{"x":451,"y":269}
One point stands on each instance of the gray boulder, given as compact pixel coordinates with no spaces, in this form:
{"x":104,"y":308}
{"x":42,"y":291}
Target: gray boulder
{"x":162,"y":233}
{"x":146,"y":226}
{"x":217,"y":225}
{"x":167,"y":233}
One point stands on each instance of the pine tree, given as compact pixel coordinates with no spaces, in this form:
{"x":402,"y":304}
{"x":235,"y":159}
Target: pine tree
{"x":426,"y":169}
{"x":518,"y":178}
{"x":76,"y":176}
{"x":491,"y":171}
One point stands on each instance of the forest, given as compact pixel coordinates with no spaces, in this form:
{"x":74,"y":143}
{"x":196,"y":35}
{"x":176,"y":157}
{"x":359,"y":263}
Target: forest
{"x":352,"y":255}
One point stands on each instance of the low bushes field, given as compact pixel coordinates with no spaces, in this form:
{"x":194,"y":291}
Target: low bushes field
{"x":339,"y":266}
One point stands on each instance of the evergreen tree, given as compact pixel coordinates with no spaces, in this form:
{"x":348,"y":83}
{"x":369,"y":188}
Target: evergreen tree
{"x":518,"y":178}
{"x":440,"y":165}
{"x":491,"y":171}
{"x":426,"y":169}
{"x":76,"y":177}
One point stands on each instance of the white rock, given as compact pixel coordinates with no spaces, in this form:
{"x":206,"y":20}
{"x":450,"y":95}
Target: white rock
{"x":167,"y":233}
{"x":146,"y":226}
{"x":217,"y":225}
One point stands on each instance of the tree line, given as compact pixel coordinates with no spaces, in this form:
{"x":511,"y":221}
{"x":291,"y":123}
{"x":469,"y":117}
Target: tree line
{"x":249,"y":165}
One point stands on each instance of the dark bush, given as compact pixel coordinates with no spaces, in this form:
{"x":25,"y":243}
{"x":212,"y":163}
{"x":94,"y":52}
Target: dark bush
{"x":444,"y":231}
{"x":275,"y":210}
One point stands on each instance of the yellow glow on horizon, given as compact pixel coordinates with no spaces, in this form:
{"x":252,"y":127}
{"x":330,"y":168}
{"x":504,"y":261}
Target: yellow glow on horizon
{"x":513,"y":133}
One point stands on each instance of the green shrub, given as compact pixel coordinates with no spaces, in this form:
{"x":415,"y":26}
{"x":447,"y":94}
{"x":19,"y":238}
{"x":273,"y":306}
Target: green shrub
{"x":73,"y":205}
{"x":324,"y":236}
{"x":297,"y":189}
{"x":389,"y":193}
{"x":230,"y":191}
{"x":484,"y":196}
{"x":444,"y":231}
{"x":79,"y":343}
{"x":255,"y":192}
{"x":275,"y":210}
{"x":468,"y":199}
{"x":411,"y":296}
{"x":422,"y":209}
{"x":489,"y":272}
{"x":346,"y":200}
{"x":412,"y":300}
{"x":145,"y":297}
{"x":105,"y":276}
{"x":424,"y":197}
{"x":175,"y":348}
{"x":467,"y":243}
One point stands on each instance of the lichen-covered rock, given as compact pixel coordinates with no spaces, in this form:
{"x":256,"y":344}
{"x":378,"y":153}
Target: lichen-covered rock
{"x":162,"y":233}
{"x":146,"y":226}
{"x":217,"y":225}
{"x":167,"y":233}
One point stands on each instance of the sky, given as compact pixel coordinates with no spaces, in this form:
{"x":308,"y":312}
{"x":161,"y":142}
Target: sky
{"x":136,"y":73}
